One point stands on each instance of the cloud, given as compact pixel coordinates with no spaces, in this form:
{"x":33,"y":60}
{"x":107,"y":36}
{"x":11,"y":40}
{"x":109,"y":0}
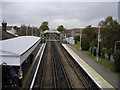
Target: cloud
{"x":60,"y":0}
{"x":0,"y":11}
{"x":70,"y":14}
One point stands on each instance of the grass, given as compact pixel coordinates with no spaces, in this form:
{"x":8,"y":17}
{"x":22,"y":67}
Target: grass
{"x":108,"y":64}
{"x":76,"y":46}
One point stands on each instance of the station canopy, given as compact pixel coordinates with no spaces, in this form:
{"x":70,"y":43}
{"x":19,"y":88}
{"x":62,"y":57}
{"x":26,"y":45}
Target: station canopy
{"x":51,"y":31}
{"x":14,"y":51}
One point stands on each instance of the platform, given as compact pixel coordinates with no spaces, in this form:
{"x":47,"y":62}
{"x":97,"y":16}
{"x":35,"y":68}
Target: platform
{"x":15,"y":51}
{"x":52,"y":40}
{"x":99,"y":80}
{"x":34,"y":68}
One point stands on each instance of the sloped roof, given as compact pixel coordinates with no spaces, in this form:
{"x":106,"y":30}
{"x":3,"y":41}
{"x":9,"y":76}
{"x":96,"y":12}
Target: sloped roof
{"x":52,"y":31}
{"x":14,"y":51}
{"x":18,"y":45}
{"x":5,"y":35}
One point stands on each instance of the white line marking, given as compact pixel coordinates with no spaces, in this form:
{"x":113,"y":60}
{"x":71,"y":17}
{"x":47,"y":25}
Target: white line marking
{"x":76,"y":57}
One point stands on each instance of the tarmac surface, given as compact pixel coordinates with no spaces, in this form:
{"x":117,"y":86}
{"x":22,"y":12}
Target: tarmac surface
{"x":104,"y":72}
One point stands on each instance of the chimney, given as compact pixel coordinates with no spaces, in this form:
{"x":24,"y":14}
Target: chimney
{"x":4,"y":24}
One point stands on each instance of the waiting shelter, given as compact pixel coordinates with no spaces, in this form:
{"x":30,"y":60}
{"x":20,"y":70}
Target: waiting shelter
{"x":14,"y":51}
{"x":19,"y":52}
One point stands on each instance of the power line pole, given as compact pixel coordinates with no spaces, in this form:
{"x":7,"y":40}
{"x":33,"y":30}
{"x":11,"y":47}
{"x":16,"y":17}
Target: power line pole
{"x":98,"y":47}
{"x":32,"y":30}
{"x":80,"y":38}
{"x":26,"y":30}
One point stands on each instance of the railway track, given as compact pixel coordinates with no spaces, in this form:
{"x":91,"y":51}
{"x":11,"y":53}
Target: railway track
{"x":61,"y":79}
{"x":70,"y":68}
{"x":44,"y":74}
{"x":81,"y":79}
{"x":59,"y":70}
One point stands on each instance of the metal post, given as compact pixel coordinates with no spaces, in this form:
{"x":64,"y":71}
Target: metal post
{"x":80,"y":38}
{"x":35,"y":31}
{"x":32,"y":30}
{"x":21,"y":67}
{"x":115,"y":46}
{"x":26,"y":30}
{"x":98,"y":47}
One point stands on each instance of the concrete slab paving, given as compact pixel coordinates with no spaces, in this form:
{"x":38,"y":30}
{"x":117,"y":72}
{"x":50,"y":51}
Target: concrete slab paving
{"x":104,"y":72}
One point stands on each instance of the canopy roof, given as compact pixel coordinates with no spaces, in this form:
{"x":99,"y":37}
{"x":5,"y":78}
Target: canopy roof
{"x":19,"y":47}
{"x":51,"y":31}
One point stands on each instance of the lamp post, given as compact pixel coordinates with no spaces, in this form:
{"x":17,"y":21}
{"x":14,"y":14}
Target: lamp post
{"x":26,"y":30}
{"x":80,"y":38}
{"x":32,"y":30}
{"x":98,"y":46}
{"x":35,"y":31}
{"x":115,"y":45}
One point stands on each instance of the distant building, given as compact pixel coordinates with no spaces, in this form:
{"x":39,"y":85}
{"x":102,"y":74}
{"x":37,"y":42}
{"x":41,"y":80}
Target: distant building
{"x":63,"y":36}
{"x":3,"y":32}
{"x":13,"y":30}
{"x":76,"y":31}
{"x":69,"y":32}
{"x":4,"y":24}
{"x":66,"y":38}
{"x":73,"y":32}
{"x":5,"y":35}
{"x":9,"y":27}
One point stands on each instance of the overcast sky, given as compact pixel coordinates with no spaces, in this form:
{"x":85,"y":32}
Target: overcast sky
{"x":69,"y":14}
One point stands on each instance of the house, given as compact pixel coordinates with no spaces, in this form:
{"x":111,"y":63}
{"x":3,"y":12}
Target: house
{"x":3,"y":31}
{"x":69,"y":32}
{"x":73,"y":32}
{"x":5,"y":35}
{"x":13,"y":30}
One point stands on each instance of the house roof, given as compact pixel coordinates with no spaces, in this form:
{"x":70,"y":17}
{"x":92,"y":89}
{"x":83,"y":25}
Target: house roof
{"x":5,"y":35}
{"x":9,"y":27}
{"x":68,"y":29}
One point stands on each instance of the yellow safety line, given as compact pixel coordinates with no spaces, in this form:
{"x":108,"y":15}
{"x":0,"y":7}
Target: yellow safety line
{"x":99,"y":77}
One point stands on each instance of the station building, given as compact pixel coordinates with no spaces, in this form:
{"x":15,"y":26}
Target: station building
{"x":0,"y":74}
{"x":19,"y":52}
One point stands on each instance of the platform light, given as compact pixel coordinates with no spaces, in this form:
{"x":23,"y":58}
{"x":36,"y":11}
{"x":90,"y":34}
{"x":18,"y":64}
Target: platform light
{"x":80,"y":38}
{"x":98,"y":47}
{"x":26,"y":29}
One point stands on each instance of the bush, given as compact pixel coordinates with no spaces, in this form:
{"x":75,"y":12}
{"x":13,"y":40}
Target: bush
{"x":103,"y":51}
{"x":109,"y":53}
{"x":75,"y":41}
{"x":85,"y":44}
{"x":77,"y":38}
{"x":116,"y":56}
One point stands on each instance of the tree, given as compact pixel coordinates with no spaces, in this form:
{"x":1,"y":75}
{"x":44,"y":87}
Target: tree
{"x":88,"y":36}
{"x":23,"y":30}
{"x":44,"y":26}
{"x":77,"y":38}
{"x":109,"y":34}
{"x":117,"y":60}
{"x":38,"y":32}
{"x":29,"y":31}
{"x":61,"y":28}
{"x":85,"y":44}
